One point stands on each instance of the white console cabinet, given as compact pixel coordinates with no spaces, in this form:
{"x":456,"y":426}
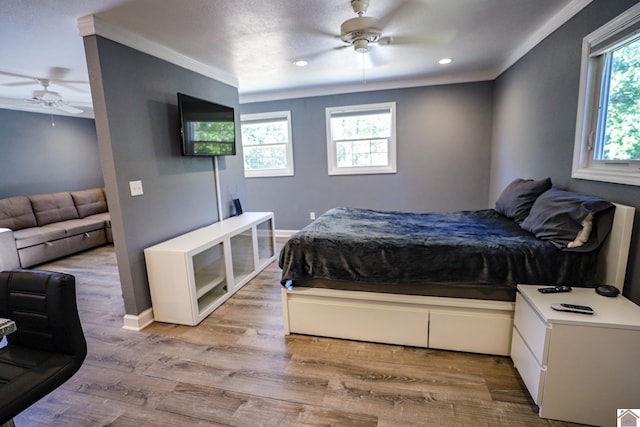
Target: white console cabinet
{"x":193,"y":274}
{"x":577,"y":367}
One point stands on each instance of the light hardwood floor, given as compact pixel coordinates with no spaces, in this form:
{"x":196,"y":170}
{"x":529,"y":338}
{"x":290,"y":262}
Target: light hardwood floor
{"x":237,"y":368}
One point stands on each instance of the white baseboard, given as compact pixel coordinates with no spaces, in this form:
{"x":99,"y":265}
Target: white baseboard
{"x":285,"y":233}
{"x":138,"y":322}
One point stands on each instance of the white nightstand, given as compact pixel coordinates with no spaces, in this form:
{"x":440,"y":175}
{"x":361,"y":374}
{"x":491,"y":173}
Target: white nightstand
{"x":578,"y":367}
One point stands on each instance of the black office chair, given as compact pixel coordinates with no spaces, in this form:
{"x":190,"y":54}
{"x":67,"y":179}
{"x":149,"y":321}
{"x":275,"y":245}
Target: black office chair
{"x":48,"y":346}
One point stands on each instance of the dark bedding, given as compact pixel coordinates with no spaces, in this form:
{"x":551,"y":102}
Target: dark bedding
{"x":479,"y":247}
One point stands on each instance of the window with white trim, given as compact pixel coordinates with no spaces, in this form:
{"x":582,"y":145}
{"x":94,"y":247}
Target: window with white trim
{"x":607,"y":142}
{"x":267,"y":144}
{"x":361,"y":139}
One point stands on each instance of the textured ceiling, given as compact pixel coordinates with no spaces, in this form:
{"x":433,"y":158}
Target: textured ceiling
{"x":256,"y":41}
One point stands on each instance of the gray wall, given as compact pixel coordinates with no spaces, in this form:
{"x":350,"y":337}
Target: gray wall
{"x":40,"y":158}
{"x":535,"y":117}
{"x":137,"y":124}
{"x":443,"y":155}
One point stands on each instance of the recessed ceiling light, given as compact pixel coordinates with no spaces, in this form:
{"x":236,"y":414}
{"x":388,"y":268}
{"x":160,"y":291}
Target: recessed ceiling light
{"x":301,"y":63}
{"x":444,"y":61}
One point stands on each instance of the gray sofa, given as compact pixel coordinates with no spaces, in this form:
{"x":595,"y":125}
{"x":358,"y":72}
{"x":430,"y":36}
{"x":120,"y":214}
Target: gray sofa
{"x":38,"y":228}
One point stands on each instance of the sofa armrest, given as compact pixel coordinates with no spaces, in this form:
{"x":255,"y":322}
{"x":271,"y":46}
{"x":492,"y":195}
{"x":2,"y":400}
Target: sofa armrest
{"x":8,"y":251}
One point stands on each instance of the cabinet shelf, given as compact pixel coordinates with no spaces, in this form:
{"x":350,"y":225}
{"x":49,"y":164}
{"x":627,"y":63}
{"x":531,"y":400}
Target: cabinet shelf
{"x":193,"y":274}
{"x":206,"y":281}
{"x":209,"y":298}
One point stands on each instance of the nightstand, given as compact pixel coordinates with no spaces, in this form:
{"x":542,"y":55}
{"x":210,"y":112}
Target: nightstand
{"x":577,"y":367}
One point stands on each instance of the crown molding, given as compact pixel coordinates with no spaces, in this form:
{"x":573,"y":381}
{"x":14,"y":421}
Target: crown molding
{"x":369,"y":86}
{"x":92,"y":25}
{"x":556,"y":21}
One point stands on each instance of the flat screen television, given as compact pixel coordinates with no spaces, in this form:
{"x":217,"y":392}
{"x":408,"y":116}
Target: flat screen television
{"x":207,"y":128}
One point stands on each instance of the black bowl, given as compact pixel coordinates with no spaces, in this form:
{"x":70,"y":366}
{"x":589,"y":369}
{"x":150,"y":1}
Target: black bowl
{"x":608,"y":290}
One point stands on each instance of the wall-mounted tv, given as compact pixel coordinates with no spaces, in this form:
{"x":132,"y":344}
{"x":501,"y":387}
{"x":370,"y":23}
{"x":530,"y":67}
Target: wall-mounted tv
{"x":208,"y":129}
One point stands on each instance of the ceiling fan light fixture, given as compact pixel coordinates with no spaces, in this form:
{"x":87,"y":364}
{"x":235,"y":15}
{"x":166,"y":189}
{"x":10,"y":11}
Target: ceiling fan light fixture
{"x":445,"y":61}
{"x":301,"y":63}
{"x":361,"y":45}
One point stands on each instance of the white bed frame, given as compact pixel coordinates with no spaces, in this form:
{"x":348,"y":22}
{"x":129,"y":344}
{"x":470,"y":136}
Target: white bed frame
{"x":478,"y":326}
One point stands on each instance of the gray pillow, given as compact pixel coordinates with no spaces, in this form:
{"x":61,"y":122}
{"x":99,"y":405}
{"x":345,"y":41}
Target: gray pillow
{"x":89,"y":202}
{"x":517,"y":198}
{"x":16,"y":213}
{"x":53,"y":207}
{"x":570,"y":221}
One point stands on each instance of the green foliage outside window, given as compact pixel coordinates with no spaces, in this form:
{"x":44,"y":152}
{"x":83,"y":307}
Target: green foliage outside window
{"x":264,"y":144}
{"x":622,"y":131}
{"x":361,"y":140}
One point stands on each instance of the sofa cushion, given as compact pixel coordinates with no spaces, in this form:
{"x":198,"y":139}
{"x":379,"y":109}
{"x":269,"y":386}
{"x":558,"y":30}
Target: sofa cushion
{"x":89,"y":202}
{"x":53,"y":207}
{"x":36,"y":235}
{"x":72,"y":227}
{"x":104,"y":216}
{"x":16,"y":213}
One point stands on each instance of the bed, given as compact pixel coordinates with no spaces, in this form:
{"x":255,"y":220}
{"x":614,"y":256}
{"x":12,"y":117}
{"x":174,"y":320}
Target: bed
{"x":380,"y":276}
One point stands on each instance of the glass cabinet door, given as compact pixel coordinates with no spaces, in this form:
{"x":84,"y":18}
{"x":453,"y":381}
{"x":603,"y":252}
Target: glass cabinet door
{"x":242,"y":255}
{"x":209,"y":275}
{"x":265,"y":241}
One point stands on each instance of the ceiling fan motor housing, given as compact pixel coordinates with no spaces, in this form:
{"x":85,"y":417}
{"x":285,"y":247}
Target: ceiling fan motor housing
{"x":360,"y":28}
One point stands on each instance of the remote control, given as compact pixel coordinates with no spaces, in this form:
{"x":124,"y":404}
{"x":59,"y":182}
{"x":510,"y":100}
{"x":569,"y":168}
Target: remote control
{"x":555,"y":289}
{"x":584,"y":309}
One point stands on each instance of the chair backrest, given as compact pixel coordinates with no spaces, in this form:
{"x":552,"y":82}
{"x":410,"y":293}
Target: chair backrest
{"x":43,"y":306}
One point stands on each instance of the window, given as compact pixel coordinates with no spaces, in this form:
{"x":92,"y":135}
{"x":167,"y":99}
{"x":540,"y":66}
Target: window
{"x":266,"y":144}
{"x":607,"y":144}
{"x":361,"y":139}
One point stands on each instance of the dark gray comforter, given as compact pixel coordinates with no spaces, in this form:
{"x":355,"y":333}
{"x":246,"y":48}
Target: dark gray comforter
{"x":479,"y":246}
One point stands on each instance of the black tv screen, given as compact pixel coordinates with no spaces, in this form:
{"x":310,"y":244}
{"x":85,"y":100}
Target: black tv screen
{"x":208,"y":129}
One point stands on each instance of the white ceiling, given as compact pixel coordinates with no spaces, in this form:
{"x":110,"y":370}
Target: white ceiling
{"x":252,"y":43}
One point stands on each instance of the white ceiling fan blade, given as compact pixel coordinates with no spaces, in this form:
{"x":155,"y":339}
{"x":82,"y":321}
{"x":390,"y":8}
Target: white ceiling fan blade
{"x":58,"y":73}
{"x":49,"y":96}
{"x":389,"y":16}
{"x":444,"y":37}
{"x":21,"y":76}
{"x":67,"y":108}
{"x":35,"y":82}
{"x":69,"y":84}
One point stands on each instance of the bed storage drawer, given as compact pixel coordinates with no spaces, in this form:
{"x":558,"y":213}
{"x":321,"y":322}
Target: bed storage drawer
{"x":360,"y":320}
{"x":480,"y":332}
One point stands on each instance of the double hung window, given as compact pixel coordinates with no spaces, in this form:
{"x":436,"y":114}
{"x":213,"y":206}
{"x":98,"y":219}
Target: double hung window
{"x":267,"y":144}
{"x":361,"y":139}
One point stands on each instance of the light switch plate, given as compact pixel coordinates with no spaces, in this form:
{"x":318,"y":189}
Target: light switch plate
{"x":136,"y":188}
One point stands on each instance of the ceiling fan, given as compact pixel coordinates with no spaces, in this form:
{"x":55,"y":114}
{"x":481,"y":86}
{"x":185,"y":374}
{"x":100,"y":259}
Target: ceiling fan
{"x":46,"y":98}
{"x":50,"y":99}
{"x":362,"y":30}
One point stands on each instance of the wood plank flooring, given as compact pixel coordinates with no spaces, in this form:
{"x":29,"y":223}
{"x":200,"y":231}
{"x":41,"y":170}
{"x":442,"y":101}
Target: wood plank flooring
{"x":238,"y":369}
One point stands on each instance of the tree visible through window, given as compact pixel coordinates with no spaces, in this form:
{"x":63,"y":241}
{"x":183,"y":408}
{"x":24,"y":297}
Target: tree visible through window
{"x":266,"y":144}
{"x":361,"y":139}
{"x":619,"y":131}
